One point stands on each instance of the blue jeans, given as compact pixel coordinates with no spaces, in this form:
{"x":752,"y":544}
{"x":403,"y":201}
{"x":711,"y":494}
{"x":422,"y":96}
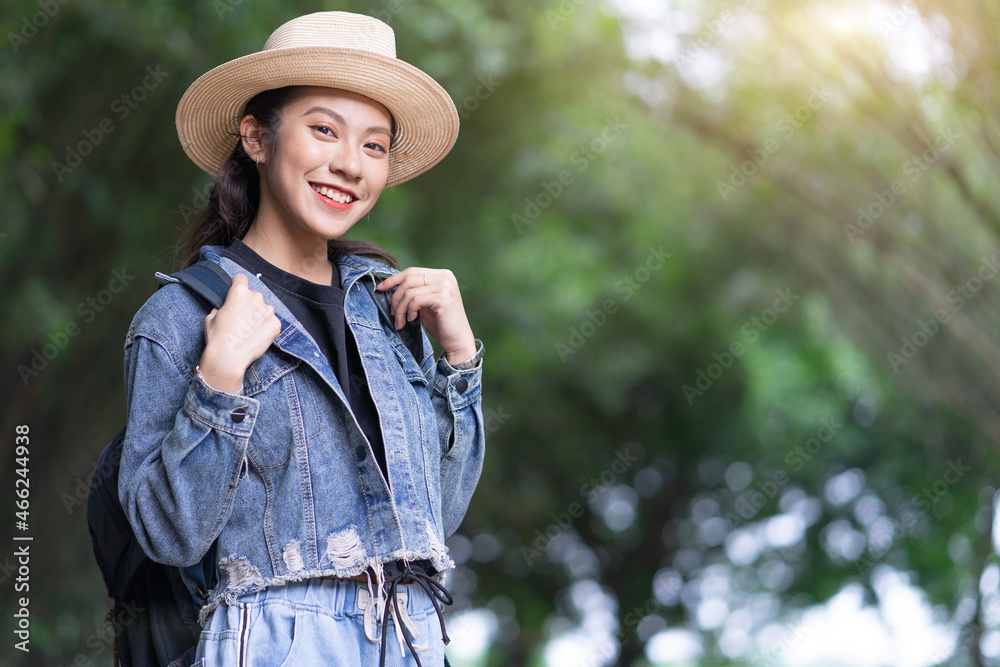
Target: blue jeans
{"x":323,"y":622}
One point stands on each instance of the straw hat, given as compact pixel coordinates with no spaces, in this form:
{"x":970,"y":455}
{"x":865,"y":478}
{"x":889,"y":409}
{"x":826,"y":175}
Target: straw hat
{"x":333,"y":49}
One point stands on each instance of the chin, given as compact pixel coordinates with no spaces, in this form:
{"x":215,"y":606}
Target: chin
{"x":330,"y":232}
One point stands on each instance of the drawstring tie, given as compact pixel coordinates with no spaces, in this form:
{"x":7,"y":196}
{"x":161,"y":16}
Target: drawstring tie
{"x":407,"y":573}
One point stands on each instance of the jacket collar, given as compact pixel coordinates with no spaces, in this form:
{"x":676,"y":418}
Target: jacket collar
{"x":351,"y":267}
{"x":294,"y":339}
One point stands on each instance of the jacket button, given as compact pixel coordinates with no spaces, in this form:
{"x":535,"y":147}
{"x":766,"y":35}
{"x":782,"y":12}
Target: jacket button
{"x":361,"y":453}
{"x":238,"y":414}
{"x":461,"y":385}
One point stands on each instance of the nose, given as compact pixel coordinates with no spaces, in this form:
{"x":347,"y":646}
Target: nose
{"x":346,"y":160}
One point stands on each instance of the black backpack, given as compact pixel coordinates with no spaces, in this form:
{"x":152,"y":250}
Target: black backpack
{"x":155,"y":616}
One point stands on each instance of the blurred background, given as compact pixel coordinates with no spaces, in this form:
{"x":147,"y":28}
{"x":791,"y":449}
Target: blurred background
{"x":735,"y":264}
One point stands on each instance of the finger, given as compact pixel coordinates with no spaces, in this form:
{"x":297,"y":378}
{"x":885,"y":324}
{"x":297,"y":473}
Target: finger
{"x":413,"y":310}
{"x":258,"y":298}
{"x":418,"y":299}
{"x":414,"y":276}
{"x":403,"y":298}
{"x":262,"y":335}
{"x":403,"y":286}
{"x":403,"y":310}
{"x":398,"y":312}
{"x":394,"y":279}
{"x":238,"y":284}
{"x":385,"y":283}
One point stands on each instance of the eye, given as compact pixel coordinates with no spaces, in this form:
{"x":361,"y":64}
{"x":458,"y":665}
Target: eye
{"x":374,"y":145}
{"x":325,"y":130}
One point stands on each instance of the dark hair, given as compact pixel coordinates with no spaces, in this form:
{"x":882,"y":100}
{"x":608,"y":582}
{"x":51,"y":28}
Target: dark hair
{"x":235,"y":196}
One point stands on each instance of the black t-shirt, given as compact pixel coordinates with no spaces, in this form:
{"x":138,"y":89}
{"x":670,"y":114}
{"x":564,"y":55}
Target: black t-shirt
{"x":320,"y":309}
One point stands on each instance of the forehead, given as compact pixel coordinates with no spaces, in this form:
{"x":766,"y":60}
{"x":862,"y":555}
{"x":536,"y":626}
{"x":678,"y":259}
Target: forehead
{"x":345,"y":103}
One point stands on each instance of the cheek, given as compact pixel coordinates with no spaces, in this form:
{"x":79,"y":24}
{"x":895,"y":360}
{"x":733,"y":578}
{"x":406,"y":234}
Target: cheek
{"x":377,"y":174}
{"x":297,"y":159}
{"x":305,"y":155}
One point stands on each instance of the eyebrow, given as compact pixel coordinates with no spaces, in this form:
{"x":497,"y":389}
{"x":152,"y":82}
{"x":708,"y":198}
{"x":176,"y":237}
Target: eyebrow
{"x":374,"y":129}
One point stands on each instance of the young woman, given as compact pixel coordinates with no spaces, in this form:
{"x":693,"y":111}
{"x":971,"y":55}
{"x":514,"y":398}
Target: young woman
{"x":293,"y":429}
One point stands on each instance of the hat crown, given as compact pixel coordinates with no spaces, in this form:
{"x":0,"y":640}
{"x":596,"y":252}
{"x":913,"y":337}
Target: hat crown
{"x":342,"y":30}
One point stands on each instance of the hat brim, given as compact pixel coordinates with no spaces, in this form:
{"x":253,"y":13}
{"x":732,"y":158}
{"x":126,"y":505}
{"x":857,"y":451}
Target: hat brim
{"x":208,"y":114}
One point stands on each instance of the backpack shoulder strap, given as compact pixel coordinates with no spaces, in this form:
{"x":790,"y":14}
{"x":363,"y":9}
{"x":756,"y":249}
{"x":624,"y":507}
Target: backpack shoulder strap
{"x":207,"y":279}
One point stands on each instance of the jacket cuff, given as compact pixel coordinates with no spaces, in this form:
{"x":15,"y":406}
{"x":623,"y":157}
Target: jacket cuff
{"x":230,"y":413}
{"x":460,"y":387}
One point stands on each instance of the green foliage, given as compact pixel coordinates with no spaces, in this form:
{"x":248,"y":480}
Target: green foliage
{"x":610,"y":275}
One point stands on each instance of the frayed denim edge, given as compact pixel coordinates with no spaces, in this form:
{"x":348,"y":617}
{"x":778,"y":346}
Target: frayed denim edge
{"x":440,"y":561}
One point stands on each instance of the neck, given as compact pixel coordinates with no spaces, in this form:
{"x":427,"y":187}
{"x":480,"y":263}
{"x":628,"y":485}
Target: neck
{"x":304,"y":256}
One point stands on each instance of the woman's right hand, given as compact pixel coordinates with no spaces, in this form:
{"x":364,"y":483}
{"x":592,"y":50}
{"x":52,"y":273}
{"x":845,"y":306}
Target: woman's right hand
{"x":236,"y":335}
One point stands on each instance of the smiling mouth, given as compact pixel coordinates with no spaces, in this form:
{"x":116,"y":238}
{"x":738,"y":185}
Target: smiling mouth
{"x":333,"y":194}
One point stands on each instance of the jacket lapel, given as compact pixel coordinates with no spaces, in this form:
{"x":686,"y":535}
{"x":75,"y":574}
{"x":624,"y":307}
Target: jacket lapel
{"x":293,"y":338}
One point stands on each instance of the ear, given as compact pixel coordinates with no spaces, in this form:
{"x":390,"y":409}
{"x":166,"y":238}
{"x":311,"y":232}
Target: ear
{"x":251,"y":135}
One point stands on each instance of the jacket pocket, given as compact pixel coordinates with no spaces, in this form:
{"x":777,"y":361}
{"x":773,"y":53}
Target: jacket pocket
{"x":271,"y":380}
{"x":266,"y":370}
{"x":406,"y":361}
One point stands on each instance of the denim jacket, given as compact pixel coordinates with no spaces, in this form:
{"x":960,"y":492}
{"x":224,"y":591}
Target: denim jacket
{"x":280,"y":474}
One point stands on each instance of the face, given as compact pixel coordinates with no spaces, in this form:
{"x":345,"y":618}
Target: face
{"x":329,"y":166}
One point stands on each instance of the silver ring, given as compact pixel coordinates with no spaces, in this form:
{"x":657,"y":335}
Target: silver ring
{"x":425,"y":279}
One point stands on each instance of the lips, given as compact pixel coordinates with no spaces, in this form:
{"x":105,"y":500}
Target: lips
{"x":334,"y":194}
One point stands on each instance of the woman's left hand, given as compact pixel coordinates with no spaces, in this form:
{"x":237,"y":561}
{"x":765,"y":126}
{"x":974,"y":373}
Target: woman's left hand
{"x":433,"y":295}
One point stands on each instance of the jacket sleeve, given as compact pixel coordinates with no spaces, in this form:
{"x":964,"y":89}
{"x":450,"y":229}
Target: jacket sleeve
{"x":457,"y":400}
{"x":183,"y":455}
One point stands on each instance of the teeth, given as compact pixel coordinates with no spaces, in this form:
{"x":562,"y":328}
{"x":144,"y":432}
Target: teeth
{"x":335,"y":195}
